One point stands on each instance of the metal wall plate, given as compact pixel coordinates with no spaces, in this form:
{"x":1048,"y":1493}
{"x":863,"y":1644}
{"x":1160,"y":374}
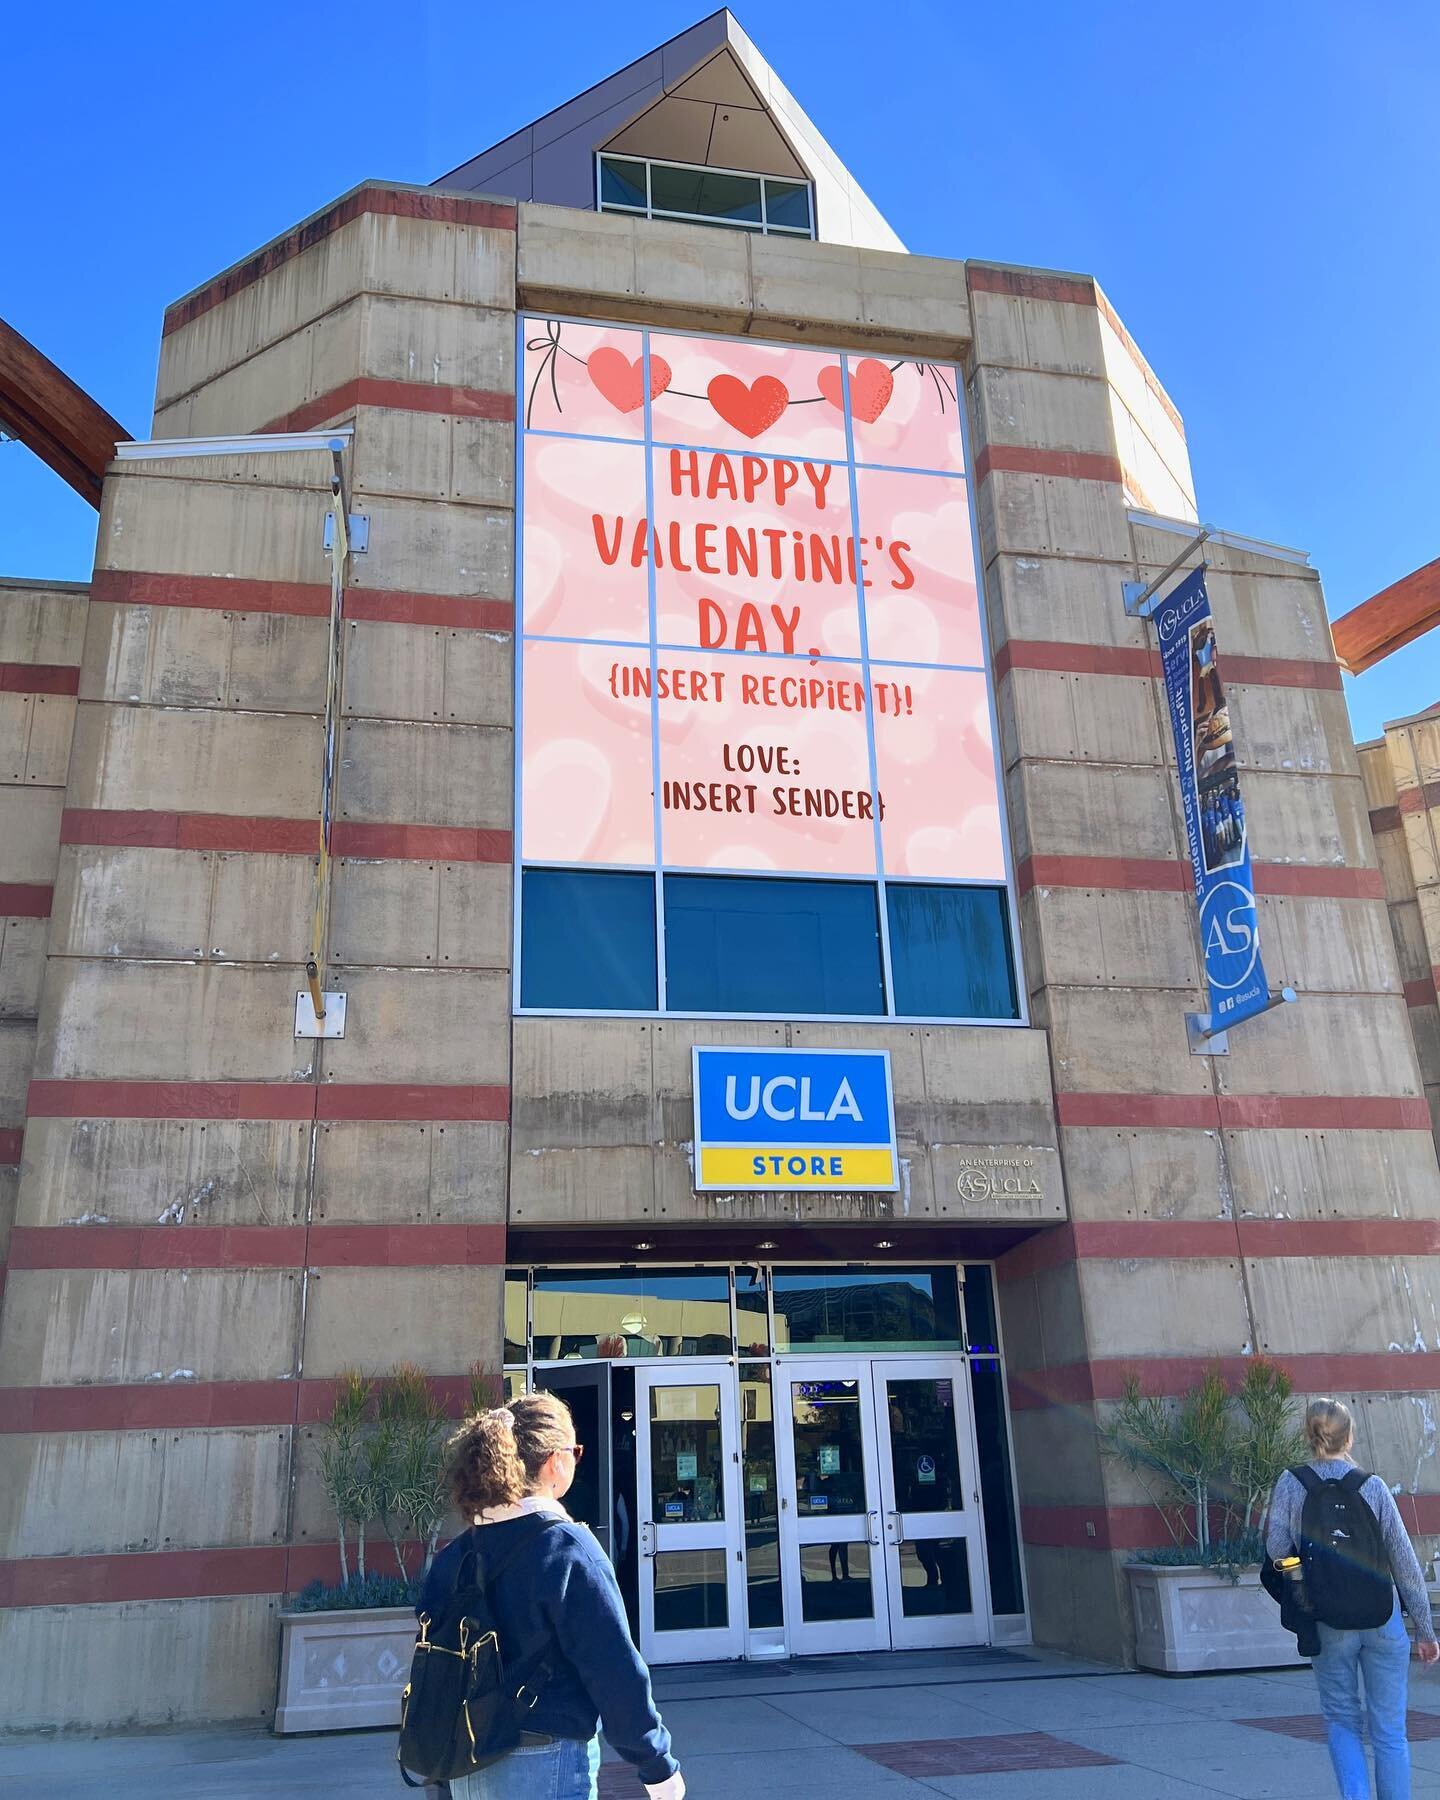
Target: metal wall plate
{"x":1196,"y":1026}
{"x":359,"y":532}
{"x":308,"y":1026}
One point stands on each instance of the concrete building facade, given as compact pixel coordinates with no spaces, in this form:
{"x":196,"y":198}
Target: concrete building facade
{"x":212,"y":1218}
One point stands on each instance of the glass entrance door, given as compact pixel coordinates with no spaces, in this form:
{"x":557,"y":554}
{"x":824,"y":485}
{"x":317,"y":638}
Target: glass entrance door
{"x":692,"y":1560}
{"x":830,"y":1506}
{"x":933,"y":1552}
{"x":879,"y":1514}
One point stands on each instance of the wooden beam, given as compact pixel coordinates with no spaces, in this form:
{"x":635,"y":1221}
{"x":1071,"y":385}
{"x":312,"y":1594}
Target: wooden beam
{"x":42,"y":407}
{"x":1397,"y":615}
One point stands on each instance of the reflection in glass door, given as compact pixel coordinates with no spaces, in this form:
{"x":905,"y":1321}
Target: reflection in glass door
{"x":692,"y":1568}
{"x":829,"y":1507}
{"x":933,"y":1550}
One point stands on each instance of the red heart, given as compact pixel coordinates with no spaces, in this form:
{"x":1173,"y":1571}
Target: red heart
{"x":622,"y":381}
{"x":871,"y":385}
{"x":751,"y":409}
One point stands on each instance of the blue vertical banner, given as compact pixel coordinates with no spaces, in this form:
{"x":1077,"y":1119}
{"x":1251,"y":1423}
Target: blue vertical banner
{"x":1214,"y":810}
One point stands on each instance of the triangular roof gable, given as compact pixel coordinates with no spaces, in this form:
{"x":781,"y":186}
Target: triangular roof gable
{"x":705,"y":96}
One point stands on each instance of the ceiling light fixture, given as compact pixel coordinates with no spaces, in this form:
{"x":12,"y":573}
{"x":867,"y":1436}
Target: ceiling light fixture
{"x":767,"y":1245}
{"x":884,"y":1243}
{"x":644,"y":1244}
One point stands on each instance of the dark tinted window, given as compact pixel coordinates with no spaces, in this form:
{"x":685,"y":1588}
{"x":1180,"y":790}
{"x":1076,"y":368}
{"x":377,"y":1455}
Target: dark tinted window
{"x":704,"y":191}
{"x":896,"y":1309}
{"x":1002,"y":1547}
{"x":950,"y":953}
{"x":734,"y":944}
{"x":622,"y":183}
{"x":787,"y":203}
{"x":980,"y":1327}
{"x":588,"y":940}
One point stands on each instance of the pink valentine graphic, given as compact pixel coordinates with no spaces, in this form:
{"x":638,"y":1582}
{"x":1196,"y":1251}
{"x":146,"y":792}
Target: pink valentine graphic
{"x":585,"y":757}
{"x":871,"y":385}
{"x":751,"y":409}
{"x":558,"y":390}
{"x":757,"y":532}
{"x":621,"y":379}
{"x":919,"y":425}
{"x":731,"y":572}
{"x":921,"y":604}
{"x":579,"y":578}
{"x":754,"y":779}
{"x":936,"y":766}
{"x":747,"y":379}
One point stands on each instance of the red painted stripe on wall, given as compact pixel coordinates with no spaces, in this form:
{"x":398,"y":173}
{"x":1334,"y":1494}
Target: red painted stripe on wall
{"x":396,"y":396}
{"x":1183,"y":1239}
{"x":1420,"y":799}
{"x":300,"y":600}
{"x":282,"y":837}
{"x":1026,"y":459}
{"x":1056,"y":657}
{"x":254,"y":1246}
{"x":1141,"y":1527}
{"x":197,"y":1405}
{"x":39,"y":678}
{"x":211,"y":593}
{"x":172,"y":1574}
{"x":444,"y":209}
{"x":1165,"y":875}
{"x":419,"y":843}
{"x":1078,"y":1384}
{"x":1385,"y":818}
{"x":1247,"y":1112}
{"x":300,"y":1101}
{"x":1422,"y":992}
{"x":1026,"y":284}
{"x":188,"y":831}
{"x":12,"y":1140}
{"x":453,"y":612}
{"x":26,"y":899}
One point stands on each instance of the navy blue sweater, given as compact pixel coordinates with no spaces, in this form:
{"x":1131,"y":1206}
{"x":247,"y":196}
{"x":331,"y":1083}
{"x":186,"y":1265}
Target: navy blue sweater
{"x":561,"y":1591}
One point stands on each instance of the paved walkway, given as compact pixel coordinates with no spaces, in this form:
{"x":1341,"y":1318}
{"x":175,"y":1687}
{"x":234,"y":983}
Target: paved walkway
{"x":1041,"y":1729}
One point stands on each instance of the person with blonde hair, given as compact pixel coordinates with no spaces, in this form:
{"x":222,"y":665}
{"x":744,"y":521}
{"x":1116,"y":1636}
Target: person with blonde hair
{"x":1335,"y":1563}
{"x":553,"y":1592}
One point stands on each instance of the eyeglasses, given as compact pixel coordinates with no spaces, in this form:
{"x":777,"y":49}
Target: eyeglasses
{"x":576,"y":1450}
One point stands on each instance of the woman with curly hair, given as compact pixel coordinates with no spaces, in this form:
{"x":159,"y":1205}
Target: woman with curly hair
{"x":555,"y":1593}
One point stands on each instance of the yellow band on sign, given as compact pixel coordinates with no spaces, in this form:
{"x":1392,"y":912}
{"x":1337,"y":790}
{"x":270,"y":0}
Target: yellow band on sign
{"x":798,"y":1165}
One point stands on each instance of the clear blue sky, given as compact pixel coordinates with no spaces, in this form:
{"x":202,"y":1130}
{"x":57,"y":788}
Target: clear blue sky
{"x":1254,"y":184}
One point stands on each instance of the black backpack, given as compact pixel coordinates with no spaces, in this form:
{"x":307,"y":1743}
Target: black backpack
{"x":467,"y":1698}
{"x":1348,"y":1583}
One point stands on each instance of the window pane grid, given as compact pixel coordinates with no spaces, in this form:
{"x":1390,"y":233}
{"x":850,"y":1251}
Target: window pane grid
{"x":617,"y":190}
{"x":990,"y":993}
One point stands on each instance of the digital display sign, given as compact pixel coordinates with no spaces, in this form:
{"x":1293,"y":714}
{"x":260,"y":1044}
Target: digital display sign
{"x":749,"y":620}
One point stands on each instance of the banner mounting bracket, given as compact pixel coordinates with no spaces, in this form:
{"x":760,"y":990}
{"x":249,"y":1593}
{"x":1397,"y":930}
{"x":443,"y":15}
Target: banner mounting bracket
{"x":1140,"y":595}
{"x":1210,"y":1040}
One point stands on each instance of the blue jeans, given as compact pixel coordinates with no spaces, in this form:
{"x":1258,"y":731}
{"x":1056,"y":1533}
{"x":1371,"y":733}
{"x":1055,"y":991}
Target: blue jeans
{"x":564,"y":1769}
{"x":1382,"y":1656}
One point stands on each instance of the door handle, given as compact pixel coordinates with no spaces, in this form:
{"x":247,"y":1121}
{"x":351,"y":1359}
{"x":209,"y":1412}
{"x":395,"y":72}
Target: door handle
{"x":892,"y":1520}
{"x":872,"y":1535}
{"x":647,"y":1537}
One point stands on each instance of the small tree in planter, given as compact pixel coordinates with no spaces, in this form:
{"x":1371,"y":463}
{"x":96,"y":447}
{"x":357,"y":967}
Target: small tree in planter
{"x":345,"y":1467}
{"x":1208,"y":1459}
{"x":407,"y":1456}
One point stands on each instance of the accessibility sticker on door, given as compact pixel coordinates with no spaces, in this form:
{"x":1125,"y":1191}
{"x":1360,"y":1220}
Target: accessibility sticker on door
{"x":794,"y":1118}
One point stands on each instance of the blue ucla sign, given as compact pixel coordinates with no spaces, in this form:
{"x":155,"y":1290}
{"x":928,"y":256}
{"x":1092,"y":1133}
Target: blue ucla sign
{"x":799,"y":1118}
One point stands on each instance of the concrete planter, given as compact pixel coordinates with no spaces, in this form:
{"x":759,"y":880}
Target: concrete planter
{"x":1187,"y":1620}
{"x":343,"y":1671}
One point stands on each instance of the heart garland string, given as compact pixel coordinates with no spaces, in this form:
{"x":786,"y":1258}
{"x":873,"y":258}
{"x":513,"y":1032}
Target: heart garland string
{"x":750,"y":408}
